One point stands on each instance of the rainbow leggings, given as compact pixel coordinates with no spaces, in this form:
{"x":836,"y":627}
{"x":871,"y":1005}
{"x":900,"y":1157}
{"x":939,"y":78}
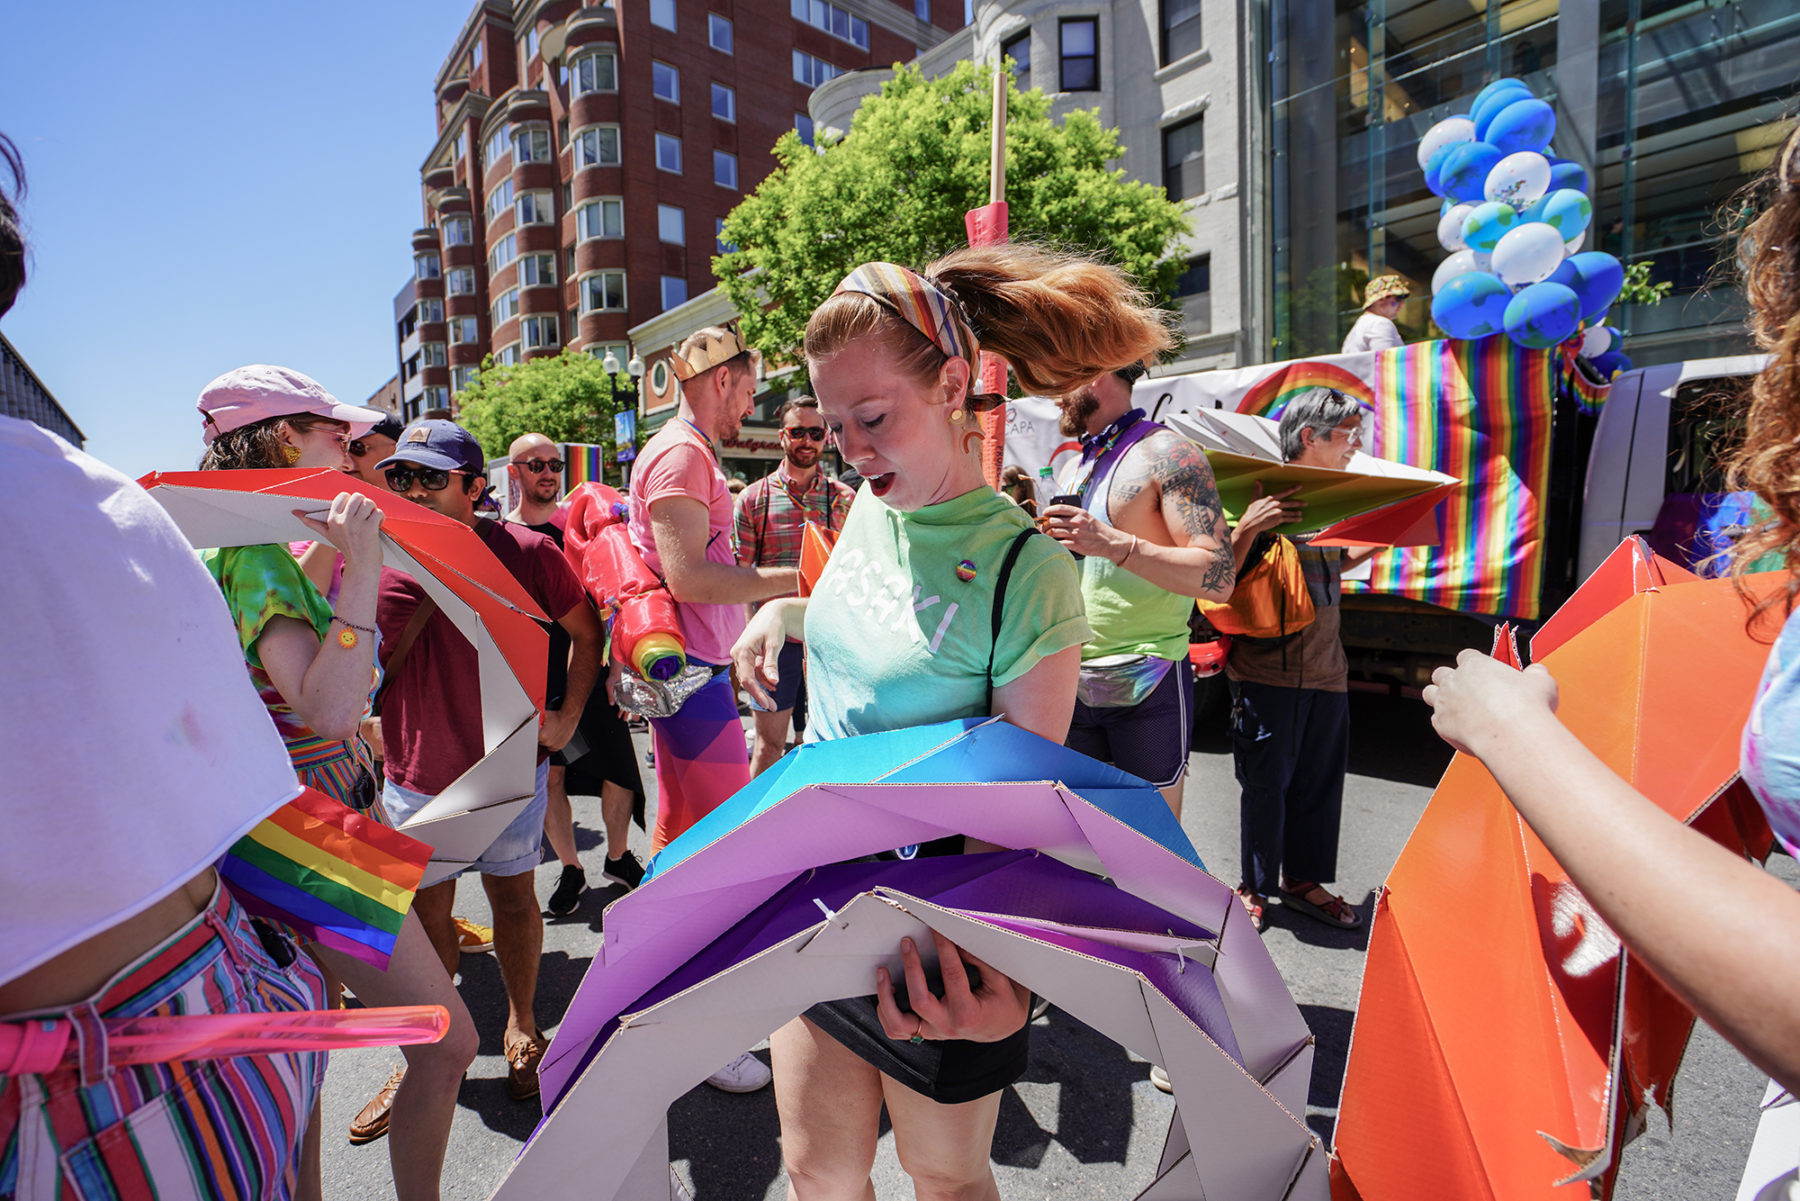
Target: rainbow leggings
{"x":701,"y":759}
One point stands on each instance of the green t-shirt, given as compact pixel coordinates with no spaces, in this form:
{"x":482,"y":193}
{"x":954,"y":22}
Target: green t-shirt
{"x":896,"y":637}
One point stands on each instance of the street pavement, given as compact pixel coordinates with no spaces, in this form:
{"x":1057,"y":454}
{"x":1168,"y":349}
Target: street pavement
{"x":1085,"y":1121}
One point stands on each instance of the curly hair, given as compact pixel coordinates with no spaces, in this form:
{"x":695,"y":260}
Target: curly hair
{"x":258,"y":444}
{"x":1060,"y":320}
{"x":1767,"y":458}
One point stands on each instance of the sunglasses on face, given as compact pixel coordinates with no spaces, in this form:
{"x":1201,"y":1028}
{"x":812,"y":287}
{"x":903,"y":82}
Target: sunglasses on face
{"x":814,"y":432}
{"x":539,"y":466}
{"x":400,"y":479}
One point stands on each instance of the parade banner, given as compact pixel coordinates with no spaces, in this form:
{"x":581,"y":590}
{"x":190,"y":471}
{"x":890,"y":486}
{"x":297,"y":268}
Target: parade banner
{"x":1476,"y":411}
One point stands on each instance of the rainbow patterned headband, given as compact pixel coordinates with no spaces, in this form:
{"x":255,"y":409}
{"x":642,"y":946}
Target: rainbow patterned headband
{"x":918,"y":302}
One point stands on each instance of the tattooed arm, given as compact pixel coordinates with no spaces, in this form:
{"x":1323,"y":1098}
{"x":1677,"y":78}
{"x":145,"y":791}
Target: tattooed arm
{"x":1193,"y":557}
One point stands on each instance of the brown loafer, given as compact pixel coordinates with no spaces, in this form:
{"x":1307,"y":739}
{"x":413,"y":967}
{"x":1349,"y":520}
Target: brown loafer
{"x":372,"y":1122}
{"x":522,"y":1067}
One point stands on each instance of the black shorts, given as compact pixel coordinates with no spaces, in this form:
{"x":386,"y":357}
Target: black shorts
{"x":610,"y":756}
{"x":949,"y":1071}
{"x":1150,"y":739}
{"x":790,"y":682}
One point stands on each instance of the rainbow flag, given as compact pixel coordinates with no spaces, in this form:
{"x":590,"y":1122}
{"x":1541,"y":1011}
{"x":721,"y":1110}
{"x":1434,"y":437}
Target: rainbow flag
{"x":1479,"y":411}
{"x":586,"y":465}
{"x":1588,"y":395}
{"x":334,"y":875}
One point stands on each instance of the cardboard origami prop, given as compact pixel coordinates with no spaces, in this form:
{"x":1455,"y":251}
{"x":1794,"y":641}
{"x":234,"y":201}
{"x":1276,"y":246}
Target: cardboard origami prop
{"x":1507,"y":1045}
{"x":755,"y":914}
{"x":1244,"y":449}
{"x":489,"y":608}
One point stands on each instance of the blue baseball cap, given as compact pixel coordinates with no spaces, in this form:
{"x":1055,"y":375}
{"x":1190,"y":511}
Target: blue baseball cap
{"x":441,"y":444}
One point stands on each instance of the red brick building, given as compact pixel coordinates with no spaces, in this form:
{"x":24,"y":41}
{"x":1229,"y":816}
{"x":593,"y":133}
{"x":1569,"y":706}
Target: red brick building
{"x":586,"y":157}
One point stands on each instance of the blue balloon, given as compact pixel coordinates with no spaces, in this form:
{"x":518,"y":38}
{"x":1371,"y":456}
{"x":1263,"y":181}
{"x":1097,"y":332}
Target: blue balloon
{"x":1464,"y":173}
{"x":1522,"y":125}
{"x":1566,"y":211}
{"x":1485,"y":112}
{"x":1611,"y":364}
{"x":1487,"y":224}
{"x":1567,"y":174}
{"x":1542,"y":315}
{"x":1434,"y":178}
{"x":1472,"y":305}
{"x":1595,"y":277}
{"x":1499,"y":85}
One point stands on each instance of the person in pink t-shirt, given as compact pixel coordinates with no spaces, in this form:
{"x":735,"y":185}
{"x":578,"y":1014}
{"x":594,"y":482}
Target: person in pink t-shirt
{"x":681,"y":521}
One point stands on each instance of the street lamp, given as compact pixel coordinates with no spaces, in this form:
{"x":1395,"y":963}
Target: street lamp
{"x":610,"y":364}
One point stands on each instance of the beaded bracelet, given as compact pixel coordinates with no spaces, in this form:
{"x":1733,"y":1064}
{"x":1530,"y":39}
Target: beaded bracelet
{"x":347,"y":637}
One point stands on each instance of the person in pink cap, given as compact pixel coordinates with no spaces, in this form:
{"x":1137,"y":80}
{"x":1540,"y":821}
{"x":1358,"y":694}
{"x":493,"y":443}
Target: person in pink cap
{"x":313,"y":664}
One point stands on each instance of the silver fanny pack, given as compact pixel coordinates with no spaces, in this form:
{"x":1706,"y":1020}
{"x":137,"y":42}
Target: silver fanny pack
{"x":1119,"y":681}
{"x":661,"y":698}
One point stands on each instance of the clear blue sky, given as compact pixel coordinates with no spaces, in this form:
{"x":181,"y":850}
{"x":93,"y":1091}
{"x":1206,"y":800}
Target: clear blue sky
{"x":214,"y":184}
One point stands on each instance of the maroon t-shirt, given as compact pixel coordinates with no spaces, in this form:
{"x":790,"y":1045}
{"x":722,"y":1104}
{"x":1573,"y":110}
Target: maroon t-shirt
{"x":431,"y":712}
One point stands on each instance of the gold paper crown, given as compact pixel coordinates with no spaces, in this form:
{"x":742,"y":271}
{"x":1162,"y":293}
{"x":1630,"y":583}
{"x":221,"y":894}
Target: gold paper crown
{"x":708,"y":348}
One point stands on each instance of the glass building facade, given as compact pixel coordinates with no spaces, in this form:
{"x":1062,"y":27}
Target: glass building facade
{"x":1671,"y":106}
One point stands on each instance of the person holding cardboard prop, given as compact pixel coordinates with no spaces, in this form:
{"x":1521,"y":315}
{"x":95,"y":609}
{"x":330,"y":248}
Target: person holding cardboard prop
{"x":1290,"y":712}
{"x":313,"y":663}
{"x":940,"y":601}
{"x":1738,"y":965}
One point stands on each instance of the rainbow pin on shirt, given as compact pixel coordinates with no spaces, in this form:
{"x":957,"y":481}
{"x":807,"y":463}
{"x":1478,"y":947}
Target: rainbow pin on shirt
{"x":965,"y":571}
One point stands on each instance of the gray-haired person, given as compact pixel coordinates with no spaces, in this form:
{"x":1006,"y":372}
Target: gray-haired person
{"x":1290,"y":714}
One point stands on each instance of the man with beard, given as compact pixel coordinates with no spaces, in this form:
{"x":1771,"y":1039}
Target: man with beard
{"x":1149,"y":525}
{"x":608,"y":763}
{"x":771,"y":514}
{"x":431,"y":715}
{"x":681,"y":522}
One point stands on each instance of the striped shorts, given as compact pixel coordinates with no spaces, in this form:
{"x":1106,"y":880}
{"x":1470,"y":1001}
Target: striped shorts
{"x":226,"y":1128}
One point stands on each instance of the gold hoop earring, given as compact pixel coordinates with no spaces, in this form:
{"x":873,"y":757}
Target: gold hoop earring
{"x":291,"y":454}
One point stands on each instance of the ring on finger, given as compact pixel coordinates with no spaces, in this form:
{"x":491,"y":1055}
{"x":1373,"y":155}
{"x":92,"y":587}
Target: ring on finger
{"x":918,"y":1036}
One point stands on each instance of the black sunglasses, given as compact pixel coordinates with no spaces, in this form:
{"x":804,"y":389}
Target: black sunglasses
{"x":400,"y":479}
{"x":357,"y":447}
{"x":815,"y":432}
{"x":539,"y":466}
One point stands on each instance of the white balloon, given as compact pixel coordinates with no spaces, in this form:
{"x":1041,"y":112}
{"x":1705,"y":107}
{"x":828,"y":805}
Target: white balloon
{"x":1447,"y":132}
{"x":1519,"y":179}
{"x":1527,"y":254}
{"x":1450,"y":227}
{"x":1595,"y":341}
{"x":1460,"y":263}
{"x":1575,"y":243}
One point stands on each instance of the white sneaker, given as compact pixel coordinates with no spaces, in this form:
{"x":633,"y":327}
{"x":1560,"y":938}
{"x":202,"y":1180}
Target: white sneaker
{"x":745,"y":1074}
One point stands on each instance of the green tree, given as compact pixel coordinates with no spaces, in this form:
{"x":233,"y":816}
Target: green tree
{"x":897,"y":185}
{"x":569,"y":398}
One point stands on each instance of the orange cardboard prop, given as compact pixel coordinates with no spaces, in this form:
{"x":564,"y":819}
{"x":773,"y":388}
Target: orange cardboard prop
{"x":815,"y":550}
{"x":470,"y":586}
{"x":1506,"y":1046}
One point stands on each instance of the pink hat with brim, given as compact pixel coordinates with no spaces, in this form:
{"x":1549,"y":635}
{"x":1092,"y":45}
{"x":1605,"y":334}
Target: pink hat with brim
{"x":247,"y":395}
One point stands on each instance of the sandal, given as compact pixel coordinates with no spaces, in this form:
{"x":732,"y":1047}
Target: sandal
{"x":522,"y":1066}
{"x":1332,"y":910}
{"x":1254,"y":905}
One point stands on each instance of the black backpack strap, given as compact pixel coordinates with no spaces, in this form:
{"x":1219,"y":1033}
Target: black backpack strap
{"x":1006,"y":570}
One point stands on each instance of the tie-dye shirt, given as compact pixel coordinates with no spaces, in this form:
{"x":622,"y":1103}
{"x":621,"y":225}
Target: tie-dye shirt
{"x":1771,"y":748}
{"x":261,"y":583}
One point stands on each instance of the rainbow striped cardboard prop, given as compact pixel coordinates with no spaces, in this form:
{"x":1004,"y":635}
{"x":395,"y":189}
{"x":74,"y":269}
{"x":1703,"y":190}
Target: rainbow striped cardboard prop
{"x":337,"y":877}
